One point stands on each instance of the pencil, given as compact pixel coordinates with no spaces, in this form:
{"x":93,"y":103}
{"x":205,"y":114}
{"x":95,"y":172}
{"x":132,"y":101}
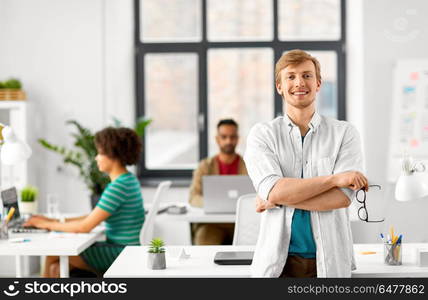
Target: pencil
{"x":394,"y":240}
{"x":10,"y":214}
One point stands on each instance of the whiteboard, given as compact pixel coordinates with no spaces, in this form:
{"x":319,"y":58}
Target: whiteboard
{"x":409,"y":119}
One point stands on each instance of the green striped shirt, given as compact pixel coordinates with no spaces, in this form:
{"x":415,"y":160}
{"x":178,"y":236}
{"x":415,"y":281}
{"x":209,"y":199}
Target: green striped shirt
{"x":122,"y":199}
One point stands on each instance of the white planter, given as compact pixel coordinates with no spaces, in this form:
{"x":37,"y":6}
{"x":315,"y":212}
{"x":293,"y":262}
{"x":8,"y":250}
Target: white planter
{"x":28,"y":207}
{"x":156,"y":261}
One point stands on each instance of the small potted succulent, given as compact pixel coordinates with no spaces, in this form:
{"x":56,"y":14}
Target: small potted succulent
{"x":156,"y":255}
{"x":28,"y":203}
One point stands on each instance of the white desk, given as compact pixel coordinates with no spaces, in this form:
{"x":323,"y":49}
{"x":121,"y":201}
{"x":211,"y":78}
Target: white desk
{"x":197,"y":215}
{"x":132,"y":263}
{"x":372,"y":265}
{"x":133,"y":259}
{"x":50,"y":244}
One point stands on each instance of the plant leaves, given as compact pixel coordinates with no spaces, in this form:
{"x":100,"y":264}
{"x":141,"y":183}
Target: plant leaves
{"x":116,"y":122}
{"x":141,"y":125}
{"x":83,"y":157}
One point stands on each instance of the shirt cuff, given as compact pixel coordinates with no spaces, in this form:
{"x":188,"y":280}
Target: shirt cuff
{"x":349,"y":193}
{"x":266,"y":186}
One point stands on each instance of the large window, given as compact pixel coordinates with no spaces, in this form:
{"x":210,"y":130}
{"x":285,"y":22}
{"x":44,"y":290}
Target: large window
{"x":199,"y":61}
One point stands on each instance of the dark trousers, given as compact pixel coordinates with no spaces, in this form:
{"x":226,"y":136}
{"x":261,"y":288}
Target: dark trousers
{"x":299,"y":267}
{"x":213,"y":234}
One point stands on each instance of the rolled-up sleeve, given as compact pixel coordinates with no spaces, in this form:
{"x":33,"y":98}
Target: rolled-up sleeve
{"x":350,"y":156}
{"x":261,"y":161}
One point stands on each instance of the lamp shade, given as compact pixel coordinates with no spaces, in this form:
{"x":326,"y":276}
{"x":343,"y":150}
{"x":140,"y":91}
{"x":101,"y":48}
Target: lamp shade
{"x":411,"y":186}
{"x":13,"y":150}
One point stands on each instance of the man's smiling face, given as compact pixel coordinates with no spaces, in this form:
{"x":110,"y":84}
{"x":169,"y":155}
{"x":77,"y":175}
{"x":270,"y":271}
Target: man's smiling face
{"x":298,"y":84}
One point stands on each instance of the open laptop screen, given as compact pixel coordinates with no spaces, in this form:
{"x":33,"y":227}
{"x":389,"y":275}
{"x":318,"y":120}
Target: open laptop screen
{"x":221,"y":192}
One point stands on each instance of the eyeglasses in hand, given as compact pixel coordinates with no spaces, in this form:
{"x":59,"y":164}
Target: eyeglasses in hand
{"x":363,"y":214}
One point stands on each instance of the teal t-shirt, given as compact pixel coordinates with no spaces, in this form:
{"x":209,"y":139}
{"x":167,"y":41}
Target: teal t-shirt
{"x":302,"y":241}
{"x":122,"y":199}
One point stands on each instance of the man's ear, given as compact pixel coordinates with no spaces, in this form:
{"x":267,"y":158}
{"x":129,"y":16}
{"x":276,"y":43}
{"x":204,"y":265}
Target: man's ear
{"x":318,"y":85}
{"x":278,"y":87}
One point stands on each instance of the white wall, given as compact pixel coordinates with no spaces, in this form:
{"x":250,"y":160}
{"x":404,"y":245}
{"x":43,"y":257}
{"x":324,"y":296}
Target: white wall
{"x":75,"y":59}
{"x":387,"y":36}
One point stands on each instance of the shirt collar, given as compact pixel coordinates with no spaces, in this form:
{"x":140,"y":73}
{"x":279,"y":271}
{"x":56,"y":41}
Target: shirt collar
{"x":313,"y":124}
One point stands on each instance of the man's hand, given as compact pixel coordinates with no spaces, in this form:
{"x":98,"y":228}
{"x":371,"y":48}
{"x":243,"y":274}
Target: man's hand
{"x":262,"y":205}
{"x":353,"y":180}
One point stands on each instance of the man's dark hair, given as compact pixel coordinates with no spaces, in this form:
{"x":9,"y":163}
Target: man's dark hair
{"x":227,"y":122}
{"x":120,"y":143}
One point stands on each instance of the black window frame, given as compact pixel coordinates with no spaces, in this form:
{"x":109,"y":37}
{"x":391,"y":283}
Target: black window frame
{"x":201,"y":49}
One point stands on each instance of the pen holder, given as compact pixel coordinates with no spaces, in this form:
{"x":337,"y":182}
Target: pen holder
{"x":4,"y":234}
{"x":392,"y":254}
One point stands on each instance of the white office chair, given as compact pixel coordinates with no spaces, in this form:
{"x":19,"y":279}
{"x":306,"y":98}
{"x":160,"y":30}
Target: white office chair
{"x":146,"y":233}
{"x":247,"y":223}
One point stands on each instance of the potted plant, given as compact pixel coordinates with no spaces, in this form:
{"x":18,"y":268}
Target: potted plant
{"x":11,"y":90}
{"x":28,"y":203}
{"x":156,"y":255}
{"x":83,"y":157}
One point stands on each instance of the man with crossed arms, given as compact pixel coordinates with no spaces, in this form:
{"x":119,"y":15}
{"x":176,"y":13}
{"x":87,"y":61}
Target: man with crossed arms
{"x":305,"y":169}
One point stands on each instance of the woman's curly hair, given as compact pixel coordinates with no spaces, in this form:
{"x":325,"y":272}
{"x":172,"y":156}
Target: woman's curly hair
{"x":120,"y":143}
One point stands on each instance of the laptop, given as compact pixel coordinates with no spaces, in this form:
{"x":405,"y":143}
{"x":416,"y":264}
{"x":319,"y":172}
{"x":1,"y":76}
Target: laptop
{"x":234,"y":257}
{"x":221,"y":192}
{"x":10,"y":199}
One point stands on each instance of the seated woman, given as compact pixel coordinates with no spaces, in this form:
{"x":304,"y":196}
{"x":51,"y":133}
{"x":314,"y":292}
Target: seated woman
{"x":120,"y":205}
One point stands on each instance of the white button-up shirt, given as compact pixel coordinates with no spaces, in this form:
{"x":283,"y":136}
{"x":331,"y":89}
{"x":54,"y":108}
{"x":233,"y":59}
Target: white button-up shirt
{"x":274,"y":150}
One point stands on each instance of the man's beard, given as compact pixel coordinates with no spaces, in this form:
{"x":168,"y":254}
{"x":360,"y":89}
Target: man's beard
{"x":228,"y":149}
{"x":297,"y":104}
